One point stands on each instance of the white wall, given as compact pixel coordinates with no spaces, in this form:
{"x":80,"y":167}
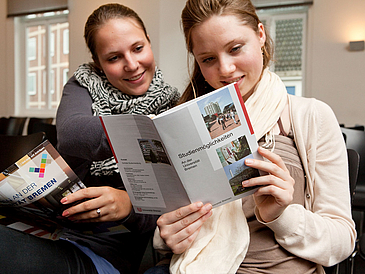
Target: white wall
{"x":6,"y":63}
{"x":333,"y":74}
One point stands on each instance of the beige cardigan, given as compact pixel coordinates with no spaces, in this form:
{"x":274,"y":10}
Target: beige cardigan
{"x":323,"y":232}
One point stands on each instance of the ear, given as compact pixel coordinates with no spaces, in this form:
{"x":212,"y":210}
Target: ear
{"x":262,"y":34}
{"x":96,"y":63}
{"x":97,"y":66}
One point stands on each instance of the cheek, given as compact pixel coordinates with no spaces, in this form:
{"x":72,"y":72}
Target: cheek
{"x":149,"y":60}
{"x":210,"y":76}
{"x":112,"y":71}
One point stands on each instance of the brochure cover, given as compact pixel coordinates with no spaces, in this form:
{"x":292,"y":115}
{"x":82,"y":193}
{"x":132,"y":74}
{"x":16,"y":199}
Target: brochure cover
{"x":31,"y":190}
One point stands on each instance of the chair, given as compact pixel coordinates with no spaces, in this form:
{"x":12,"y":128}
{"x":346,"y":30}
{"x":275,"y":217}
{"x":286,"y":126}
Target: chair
{"x":355,"y":140}
{"x":12,"y":125}
{"x":49,"y":131}
{"x":12,"y":148}
{"x":353,"y":167}
{"x":33,"y":121}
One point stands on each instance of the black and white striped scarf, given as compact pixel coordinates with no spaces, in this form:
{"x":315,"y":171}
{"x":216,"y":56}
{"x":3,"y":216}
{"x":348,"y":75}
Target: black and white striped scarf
{"x":108,"y":100}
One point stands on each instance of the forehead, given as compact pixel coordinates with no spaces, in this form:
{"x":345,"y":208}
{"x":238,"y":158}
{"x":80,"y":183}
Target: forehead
{"x":219,"y":30}
{"x":119,"y":32}
{"x":120,"y":25}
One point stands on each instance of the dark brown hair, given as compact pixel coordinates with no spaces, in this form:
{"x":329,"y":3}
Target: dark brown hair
{"x":195,"y":13}
{"x":102,"y":15}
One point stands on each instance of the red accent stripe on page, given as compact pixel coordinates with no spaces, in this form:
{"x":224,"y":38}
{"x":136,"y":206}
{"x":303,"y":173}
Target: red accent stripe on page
{"x":244,"y":108}
{"x":107,"y":136}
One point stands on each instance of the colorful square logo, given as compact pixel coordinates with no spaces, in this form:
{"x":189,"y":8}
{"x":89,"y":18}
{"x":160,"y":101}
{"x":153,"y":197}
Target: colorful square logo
{"x":42,"y":169}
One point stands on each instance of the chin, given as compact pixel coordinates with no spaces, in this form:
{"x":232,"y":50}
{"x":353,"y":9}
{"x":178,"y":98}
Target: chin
{"x":138,"y":92}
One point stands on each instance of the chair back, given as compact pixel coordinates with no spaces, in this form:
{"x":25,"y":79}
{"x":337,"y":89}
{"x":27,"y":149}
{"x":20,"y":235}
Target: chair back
{"x":33,"y":121}
{"x":355,"y":139}
{"x":12,"y":125}
{"x":12,"y":148}
{"x":353,"y":165}
{"x":49,"y":130}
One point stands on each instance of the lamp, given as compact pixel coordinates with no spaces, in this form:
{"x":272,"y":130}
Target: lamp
{"x":356,"y":45}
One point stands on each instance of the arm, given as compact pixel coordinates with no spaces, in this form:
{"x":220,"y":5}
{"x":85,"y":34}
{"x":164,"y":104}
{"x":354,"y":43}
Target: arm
{"x":79,"y":133}
{"x":81,"y":139}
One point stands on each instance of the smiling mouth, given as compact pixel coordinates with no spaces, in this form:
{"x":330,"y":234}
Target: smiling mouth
{"x":233,"y":81}
{"x":135,"y":78}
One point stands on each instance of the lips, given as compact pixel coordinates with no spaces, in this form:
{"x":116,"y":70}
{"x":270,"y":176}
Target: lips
{"x":135,"y":78}
{"x":233,"y":81}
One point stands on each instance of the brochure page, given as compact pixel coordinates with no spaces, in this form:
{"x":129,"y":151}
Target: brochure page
{"x":145,"y":167}
{"x":211,"y":138}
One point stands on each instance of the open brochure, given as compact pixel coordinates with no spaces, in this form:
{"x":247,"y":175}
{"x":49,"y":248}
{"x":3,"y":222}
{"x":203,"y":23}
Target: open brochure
{"x":192,"y":152}
{"x":30,"y":194}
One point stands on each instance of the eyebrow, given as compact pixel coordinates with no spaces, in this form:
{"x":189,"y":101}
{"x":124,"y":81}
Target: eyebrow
{"x":133,"y":45}
{"x":225,"y":45}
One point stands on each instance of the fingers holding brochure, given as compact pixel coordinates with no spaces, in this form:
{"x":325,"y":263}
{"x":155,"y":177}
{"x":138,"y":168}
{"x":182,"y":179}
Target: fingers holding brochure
{"x":277,"y":187}
{"x":179,"y":228}
{"x":113,"y":205}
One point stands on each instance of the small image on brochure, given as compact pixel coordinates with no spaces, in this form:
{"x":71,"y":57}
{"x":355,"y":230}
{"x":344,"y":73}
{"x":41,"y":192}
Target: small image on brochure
{"x":219,"y":113}
{"x":153,"y":151}
{"x":232,"y":157}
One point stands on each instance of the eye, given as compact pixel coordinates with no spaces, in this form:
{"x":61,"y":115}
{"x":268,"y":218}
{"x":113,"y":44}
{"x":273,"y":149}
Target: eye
{"x":139,"y":48}
{"x":236,"y":49}
{"x":113,"y":59}
{"x":208,"y":60}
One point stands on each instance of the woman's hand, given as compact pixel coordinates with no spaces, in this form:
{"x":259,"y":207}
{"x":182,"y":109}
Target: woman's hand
{"x":179,"y":228}
{"x":277,"y":188}
{"x":114,"y":205}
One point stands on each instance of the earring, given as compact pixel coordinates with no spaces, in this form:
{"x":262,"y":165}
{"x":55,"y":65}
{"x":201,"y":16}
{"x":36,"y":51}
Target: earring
{"x":263,"y":51}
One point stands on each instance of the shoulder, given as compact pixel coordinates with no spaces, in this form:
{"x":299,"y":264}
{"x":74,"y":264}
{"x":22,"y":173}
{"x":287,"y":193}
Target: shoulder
{"x":73,"y":87}
{"x":309,"y":108}
{"x":313,"y":120}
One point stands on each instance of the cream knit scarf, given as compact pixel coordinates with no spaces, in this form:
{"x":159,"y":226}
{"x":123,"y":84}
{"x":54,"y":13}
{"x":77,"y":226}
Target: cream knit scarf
{"x":223,"y":240}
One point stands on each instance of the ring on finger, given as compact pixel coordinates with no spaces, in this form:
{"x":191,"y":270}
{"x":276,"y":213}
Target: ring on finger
{"x":99,"y":212}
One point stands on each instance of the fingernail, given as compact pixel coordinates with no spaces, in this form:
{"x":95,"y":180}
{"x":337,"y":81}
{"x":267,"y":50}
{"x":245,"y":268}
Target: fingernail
{"x":65,"y":213}
{"x":63,"y":200}
{"x":244,"y":183}
{"x":248,"y":161}
{"x":208,"y":207}
{"x":199,"y":204}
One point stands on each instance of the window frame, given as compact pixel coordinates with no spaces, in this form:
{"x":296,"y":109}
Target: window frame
{"x":21,"y":63}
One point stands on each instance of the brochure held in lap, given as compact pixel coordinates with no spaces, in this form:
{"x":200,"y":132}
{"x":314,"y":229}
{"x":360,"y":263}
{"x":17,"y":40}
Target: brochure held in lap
{"x":192,"y":152}
{"x":30,"y":194}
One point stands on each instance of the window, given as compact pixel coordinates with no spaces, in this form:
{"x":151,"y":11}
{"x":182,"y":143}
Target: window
{"x":41,"y":59}
{"x":65,"y":76}
{"x":32,"y":48}
{"x":287,"y":27}
{"x":65,"y":41}
{"x":31,"y":84}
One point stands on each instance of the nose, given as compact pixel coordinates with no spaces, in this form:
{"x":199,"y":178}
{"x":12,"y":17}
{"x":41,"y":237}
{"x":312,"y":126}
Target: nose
{"x":226,"y":66}
{"x":131,"y":63}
